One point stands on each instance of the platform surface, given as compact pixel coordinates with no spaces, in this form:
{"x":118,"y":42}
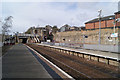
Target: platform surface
{"x":111,"y":55}
{"x":19,"y":62}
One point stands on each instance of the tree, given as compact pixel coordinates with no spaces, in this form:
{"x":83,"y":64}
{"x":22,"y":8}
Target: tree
{"x":48,"y":30}
{"x":54,"y":29}
{"x":6,"y":25}
{"x":48,"y":27}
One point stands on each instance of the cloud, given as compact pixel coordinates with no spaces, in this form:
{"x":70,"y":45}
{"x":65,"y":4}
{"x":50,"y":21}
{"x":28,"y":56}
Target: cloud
{"x":60,"y":0}
{"x":28,"y":14}
{"x":90,"y":9}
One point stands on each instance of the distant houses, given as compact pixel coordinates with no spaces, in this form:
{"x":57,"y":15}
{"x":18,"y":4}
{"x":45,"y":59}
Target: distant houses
{"x":69,"y":28}
{"x":48,"y":32}
{"x":91,"y":30}
{"x":107,"y":36}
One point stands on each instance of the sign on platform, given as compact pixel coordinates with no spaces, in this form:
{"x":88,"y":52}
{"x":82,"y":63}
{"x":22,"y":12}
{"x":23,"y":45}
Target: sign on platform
{"x":114,"y":35}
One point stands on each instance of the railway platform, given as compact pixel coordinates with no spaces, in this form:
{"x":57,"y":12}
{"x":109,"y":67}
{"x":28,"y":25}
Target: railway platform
{"x":77,"y":64}
{"x":92,"y":52}
{"x":21,"y":62}
{"x":100,"y":56}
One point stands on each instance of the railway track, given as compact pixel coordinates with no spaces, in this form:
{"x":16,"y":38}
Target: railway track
{"x":77,"y":67}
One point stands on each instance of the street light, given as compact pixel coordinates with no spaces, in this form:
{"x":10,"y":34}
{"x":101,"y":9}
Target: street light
{"x":99,"y":11}
{"x":114,"y":25}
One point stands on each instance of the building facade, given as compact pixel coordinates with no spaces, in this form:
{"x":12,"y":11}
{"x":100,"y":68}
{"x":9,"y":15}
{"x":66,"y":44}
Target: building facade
{"x":106,"y":22}
{"x":44,"y":33}
{"x":90,"y":36}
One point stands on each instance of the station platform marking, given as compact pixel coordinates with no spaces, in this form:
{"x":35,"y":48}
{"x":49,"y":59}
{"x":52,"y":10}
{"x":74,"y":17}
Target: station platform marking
{"x":67,"y":75}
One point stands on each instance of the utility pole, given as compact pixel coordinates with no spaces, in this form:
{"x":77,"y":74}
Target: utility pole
{"x":114,"y":26}
{"x":100,"y":11}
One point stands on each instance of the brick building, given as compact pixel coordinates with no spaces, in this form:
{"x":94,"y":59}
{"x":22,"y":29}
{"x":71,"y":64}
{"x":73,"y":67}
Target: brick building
{"x":117,"y":15}
{"x":106,"y":22}
{"x":108,"y":43}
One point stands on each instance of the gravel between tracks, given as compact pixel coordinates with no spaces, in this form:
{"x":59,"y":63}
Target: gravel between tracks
{"x":77,"y":66}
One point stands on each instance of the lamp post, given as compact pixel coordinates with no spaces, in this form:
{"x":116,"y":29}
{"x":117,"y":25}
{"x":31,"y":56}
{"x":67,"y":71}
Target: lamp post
{"x":114,"y":26}
{"x":115,"y":21}
{"x":100,"y":11}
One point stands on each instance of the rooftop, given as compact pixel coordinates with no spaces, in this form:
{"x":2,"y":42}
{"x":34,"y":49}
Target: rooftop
{"x":103,"y":18}
{"x":117,"y":12}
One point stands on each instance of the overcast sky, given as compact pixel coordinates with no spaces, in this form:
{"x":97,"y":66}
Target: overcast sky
{"x":28,"y":14}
